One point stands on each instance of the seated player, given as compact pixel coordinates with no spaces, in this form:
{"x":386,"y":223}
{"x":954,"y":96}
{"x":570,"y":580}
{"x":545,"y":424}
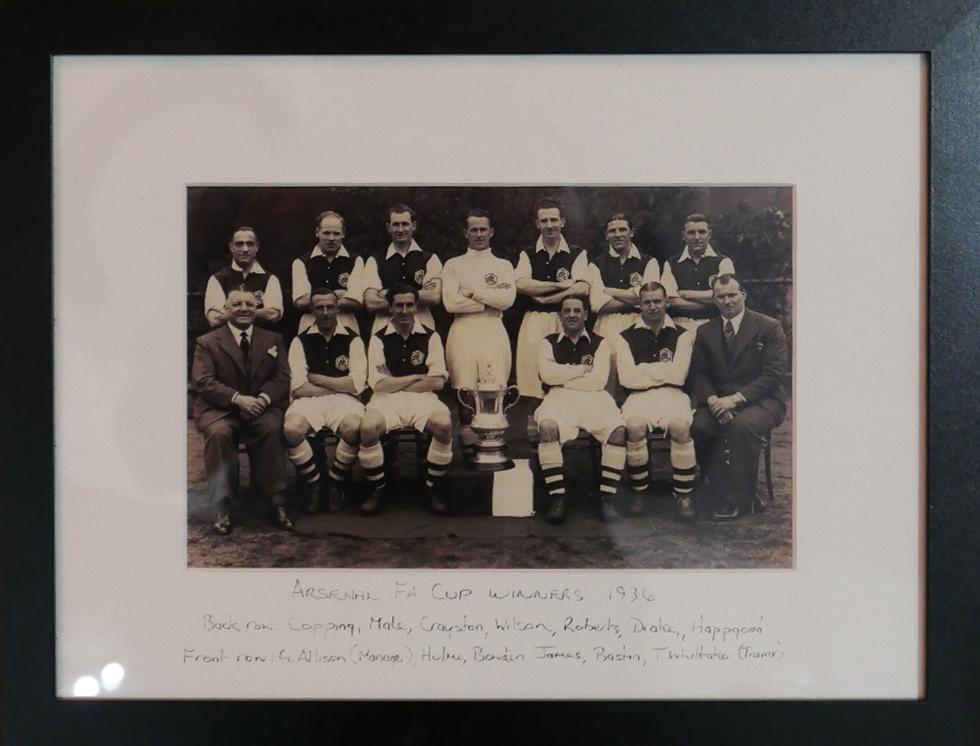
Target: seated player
{"x":406,"y":366}
{"x":574,"y":367}
{"x":653,"y":357}
{"x":246,"y":273}
{"x":328,"y":369}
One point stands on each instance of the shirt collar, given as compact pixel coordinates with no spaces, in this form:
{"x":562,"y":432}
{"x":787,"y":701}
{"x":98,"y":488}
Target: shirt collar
{"x":633,"y":253}
{"x":317,"y":251}
{"x":736,"y":321}
{"x":562,"y":244}
{"x":392,"y":250}
{"x":236,"y":333}
{"x":475,"y":252}
{"x":256,"y":268}
{"x":392,"y":329}
{"x":708,"y":251}
{"x":339,"y":329}
{"x":585,"y":333}
{"x":668,"y":323}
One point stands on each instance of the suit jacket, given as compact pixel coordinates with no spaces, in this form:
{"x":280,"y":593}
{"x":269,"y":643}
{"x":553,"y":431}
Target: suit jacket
{"x":218,"y":372}
{"x":756,"y":367}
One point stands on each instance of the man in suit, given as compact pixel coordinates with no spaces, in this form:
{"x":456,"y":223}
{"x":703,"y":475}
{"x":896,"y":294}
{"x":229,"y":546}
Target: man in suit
{"x":241,"y":379}
{"x":737,"y":372}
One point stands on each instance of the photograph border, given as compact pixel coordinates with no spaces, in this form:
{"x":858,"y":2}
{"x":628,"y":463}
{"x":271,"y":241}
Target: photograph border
{"x":947,"y":32}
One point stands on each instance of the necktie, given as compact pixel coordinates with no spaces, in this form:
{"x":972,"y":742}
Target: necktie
{"x":729,"y":336}
{"x":246,"y":349}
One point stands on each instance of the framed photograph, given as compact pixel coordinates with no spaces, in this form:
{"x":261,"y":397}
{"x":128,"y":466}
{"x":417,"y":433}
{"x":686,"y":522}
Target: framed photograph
{"x":488,"y":567}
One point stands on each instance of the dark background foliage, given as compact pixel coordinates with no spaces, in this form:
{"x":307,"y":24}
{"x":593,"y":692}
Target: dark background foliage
{"x":752,"y":225}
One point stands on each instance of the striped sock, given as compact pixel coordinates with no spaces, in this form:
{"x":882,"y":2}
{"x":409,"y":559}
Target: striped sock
{"x":301,"y":457}
{"x":638,"y":464}
{"x":552,"y":468}
{"x":682,"y":462}
{"x":437,"y":461}
{"x":343,"y":459}
{"x":372,"y":459}
{"x":613,"y":461}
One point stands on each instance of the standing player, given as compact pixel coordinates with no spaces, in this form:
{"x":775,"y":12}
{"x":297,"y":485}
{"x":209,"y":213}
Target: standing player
{"x":616,"y":278}
{"x":243,"y":273}
{"x":328,"y":370}
{"x":653,"y":358}
{"x":477,"y":287}
{"x":329,"y":266}
{"x":546,"y":274}
{"x":688,"y":275}
{"x":574,"y":367}
{"x":404,"y":262}
{"x":406,"y":365}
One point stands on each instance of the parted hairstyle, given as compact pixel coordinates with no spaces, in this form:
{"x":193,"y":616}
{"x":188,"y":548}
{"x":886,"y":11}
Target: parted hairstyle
{"x":649,"y":287}
{"x":479,"y":212}
{"x":548,"y":203}
{"x":726,"y":279}
{"x":324,"y":291}
{"x":620,"y":216}
{"x":583,"y":298}
{"x":400,"y":288}
{"x":696,"y":217}
{"x":401,"y":208}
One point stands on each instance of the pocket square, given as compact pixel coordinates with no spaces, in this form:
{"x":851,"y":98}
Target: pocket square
{"x":272,"y":351}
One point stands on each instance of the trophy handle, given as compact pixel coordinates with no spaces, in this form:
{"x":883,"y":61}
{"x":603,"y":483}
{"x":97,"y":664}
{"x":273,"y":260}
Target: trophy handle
{"x":461,"y":393}
{"x":517,"y":395}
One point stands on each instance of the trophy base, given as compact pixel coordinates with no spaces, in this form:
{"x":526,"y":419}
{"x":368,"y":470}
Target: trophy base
{"x":491,"y":453}
{"x":491,"y":462}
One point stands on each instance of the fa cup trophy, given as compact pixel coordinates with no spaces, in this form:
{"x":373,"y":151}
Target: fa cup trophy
{"x":489,"y":403}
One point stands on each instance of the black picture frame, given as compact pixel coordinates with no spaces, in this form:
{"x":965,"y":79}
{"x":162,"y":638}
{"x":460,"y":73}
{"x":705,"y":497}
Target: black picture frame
{"x":947,"y":31}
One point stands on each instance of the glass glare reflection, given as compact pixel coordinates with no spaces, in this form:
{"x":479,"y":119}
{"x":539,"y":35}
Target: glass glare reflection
{"x":112,"y":676}
{"x":86,"y":686}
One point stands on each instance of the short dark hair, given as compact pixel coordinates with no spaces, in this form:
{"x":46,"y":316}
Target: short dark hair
{"x":330,"y":214}
{"x":620,"y":216}
{"x":583,"y":298}
{"x":548,"y":203}
{"x":400,"y":288}
{"x":248,"y":228}
{"x":401,"y":208}
{"x":650,"y":287}
{"x":323,"y":291}
{"x":479,"y":212}
{"x":726,"y":279}
{"x":696,"y":217}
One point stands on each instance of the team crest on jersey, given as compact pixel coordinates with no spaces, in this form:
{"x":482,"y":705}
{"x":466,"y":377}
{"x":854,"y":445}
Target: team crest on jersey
{"x":562,"y":274}
{"x":343,"y":279}
{"x":490,"y":278}
{"x":420,"y":277}
{"x":418,"y":357}
{"x":711,"y":280}
{"x":636,"y":279}
{"x":666,"y":355}
{"x":341,"y":362}
{"x":258,"y":296}
{"x":586,"y":360}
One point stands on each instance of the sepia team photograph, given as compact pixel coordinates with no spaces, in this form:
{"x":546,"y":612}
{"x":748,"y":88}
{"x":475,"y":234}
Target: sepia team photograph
{"x":470,"y":376}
